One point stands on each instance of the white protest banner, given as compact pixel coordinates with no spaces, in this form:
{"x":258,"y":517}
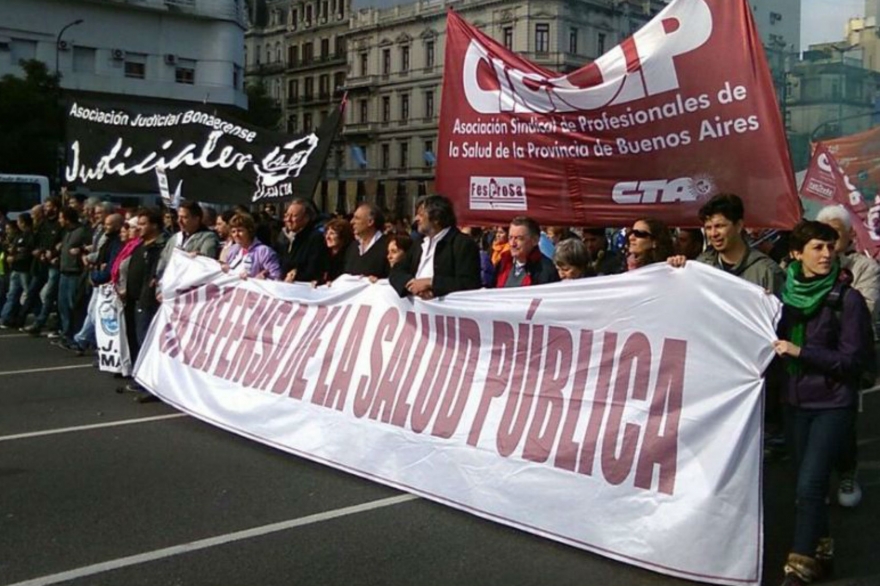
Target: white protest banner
{"x":110,"y":334}
{"x":621,"y":415}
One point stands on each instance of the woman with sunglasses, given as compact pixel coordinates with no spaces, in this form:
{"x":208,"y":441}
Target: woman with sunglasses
{"x":648,"y":241}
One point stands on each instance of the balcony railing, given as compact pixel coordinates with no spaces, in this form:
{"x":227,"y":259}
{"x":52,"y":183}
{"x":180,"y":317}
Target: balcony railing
{"x":218,"y":9}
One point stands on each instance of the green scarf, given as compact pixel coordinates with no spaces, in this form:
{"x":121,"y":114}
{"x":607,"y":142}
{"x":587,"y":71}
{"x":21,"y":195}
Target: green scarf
{"x":807,"y":296}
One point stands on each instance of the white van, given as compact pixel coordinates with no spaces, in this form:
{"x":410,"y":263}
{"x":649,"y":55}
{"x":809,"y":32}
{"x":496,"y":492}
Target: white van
{"x":20,"y":193}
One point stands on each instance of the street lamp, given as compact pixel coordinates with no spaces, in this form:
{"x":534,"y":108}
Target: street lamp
{"x":58,"y":39}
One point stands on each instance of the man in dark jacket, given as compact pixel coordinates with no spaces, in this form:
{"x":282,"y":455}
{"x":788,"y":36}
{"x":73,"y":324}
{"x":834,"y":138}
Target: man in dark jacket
{"x":20,"y":260}
{"x":140,"y":302}
{"x":523,"y":264}
{"x":368,"y":253}
{"x":301,"y":246}
{"x":42,"y":294}
{"x":445,"y":262}
{"x":70,"y":265}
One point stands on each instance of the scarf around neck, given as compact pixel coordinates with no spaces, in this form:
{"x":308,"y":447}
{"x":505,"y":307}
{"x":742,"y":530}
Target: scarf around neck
{"x":806,"y":296}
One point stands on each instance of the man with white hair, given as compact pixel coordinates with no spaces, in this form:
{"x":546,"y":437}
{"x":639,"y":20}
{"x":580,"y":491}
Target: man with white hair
{"x":866,"y":280}
{"x":865,"y":270}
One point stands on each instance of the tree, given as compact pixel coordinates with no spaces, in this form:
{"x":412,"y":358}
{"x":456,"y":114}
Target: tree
{"x":262,"y":110}
{"x":31,"y":121}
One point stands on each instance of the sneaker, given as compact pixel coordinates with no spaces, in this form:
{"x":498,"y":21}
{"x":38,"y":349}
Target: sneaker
{"x":849,"y":493}
{"x":32,"y":329}
{"x":4,"y":326}
{"x":146,"y":397}
{"x":54,"y":335}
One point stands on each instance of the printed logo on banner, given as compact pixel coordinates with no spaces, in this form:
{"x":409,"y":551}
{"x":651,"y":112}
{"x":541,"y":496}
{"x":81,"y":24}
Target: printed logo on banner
{"x":617,"y":77}
{"x":498,"y":193}
{"x":683,"y":189}
{"x":109,"y":319}
{"x":281,"y":165}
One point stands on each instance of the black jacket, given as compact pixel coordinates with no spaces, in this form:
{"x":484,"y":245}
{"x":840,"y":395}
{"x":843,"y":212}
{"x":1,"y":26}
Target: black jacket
{"x":307,"y":254}
{"x":456,"y":265}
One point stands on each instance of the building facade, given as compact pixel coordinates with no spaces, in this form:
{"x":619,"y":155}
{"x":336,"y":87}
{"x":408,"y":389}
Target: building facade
{"x":123,"y":51}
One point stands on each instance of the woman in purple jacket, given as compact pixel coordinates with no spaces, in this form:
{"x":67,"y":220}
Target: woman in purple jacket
{"x":247,"y":256}
{"x":826,"y":342}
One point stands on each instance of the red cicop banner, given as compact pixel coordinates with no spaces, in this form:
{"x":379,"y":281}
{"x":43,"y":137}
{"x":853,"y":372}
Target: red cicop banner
{"x":827,"y":182}
{"x":682,"y":110}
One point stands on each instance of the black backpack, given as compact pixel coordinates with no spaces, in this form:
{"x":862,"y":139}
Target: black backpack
{"x":834,"y":301}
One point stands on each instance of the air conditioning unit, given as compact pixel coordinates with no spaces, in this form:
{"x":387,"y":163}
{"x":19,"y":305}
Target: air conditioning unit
{"x":63,"y":45}
{"x":170,"y":59}
{"x":117,"y":54}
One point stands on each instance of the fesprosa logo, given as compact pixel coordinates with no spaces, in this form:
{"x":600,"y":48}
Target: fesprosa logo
{"x":620,"y":76}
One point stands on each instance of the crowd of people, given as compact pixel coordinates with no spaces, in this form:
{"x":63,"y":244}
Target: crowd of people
{"x":54,"y":257}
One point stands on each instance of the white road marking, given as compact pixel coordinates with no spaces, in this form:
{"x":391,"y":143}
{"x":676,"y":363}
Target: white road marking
{"x":159,"y":554}
{"x":871,"y":390}
{"x":4,"y":438}
{"x":4,"y":336}
{"x":49,"y":369}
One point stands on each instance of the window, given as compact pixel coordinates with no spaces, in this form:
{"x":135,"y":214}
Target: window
{"x":364,"y":107}
{"x":429,"y":152}
{"x":325,"y":48}
{"x":294,"y":17}
{"x":429,"y":104}
{"x":325,"y":9}
{"x":293,"y":55}
{"x":84,"y":59}
{"x":404,"y":108}
{"x":404,"y":155}
{"x":268,"y":54}
{"x":338,"y":81}
{"x":293,"y":91}
{"x":236,"y":77}
{"x":542,"y":38}
{"x":307,"y":122}
{"x":308,"y":14}
{"x":573,"y":41}
{"x":257,"y":55}
{"x":386,"y":61}
{"x":601,"y":46}
{"x":135,"y":65}
{"x":309,"y":90}
{"x":324,"y":86}
{"x":185,"y":72}
{"x":291,"y":123}
{"x":386,"y":156}
{"x":507,"y":33}
{"x":404,"y":59}
{"x":23,"y":49}
{"x":365,"y":61}
{"x":308,"y":52}
{"x":278,"y":55}
{"x":429,"y":54}
{"x":386,"y":108}
{"x":340,"y":46}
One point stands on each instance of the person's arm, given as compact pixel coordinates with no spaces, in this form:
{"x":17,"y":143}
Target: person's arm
{"x":404,"y":271}
{"x":271,"y":265}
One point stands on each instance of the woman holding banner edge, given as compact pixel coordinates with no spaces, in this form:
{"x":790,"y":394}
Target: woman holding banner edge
{"x":249,"y":257}
{"x":825,"y":342}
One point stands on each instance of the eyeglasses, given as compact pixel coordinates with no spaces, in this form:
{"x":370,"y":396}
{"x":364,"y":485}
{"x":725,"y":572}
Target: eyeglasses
{"x":640,"y":233}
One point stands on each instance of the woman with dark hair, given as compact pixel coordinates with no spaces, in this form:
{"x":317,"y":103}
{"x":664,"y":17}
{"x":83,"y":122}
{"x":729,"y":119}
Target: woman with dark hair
{"x":825,"y":341}
{"x":648,"y":241}
{"x":572,"y":260}
{"x":249,"y":257}
{"x":337,"y":235}
{"x":398,"y":245}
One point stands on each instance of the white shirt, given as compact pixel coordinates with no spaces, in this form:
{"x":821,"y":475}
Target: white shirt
{"x":363,"y":247}
{"x":429,"y":247}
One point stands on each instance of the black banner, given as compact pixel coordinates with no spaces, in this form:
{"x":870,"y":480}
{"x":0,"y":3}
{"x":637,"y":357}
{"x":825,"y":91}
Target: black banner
{"x":202,"y":156}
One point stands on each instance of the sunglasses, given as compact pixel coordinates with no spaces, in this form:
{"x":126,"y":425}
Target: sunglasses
{"x":640,"y":233}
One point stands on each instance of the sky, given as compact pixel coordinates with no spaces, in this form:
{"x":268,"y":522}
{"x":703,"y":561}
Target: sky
{"x":825,"y":20}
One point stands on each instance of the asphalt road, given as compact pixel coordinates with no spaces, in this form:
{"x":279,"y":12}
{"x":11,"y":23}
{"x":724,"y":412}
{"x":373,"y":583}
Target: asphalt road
{"x":166,"y":499}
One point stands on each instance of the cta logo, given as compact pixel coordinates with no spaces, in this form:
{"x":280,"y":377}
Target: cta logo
{"x":498,"y":193}
{"x":683,"y":189}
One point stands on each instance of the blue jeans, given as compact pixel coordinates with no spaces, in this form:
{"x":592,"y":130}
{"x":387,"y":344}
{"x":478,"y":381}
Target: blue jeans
{"x":18,"y":285}
{"x":817,"y":438}
{"x":48,"y":296}
{"x":85,"y":338}
{"x":67,"y":290}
